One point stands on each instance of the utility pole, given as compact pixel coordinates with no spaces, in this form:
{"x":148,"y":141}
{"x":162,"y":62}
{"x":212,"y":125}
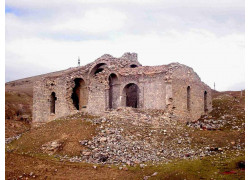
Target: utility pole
{"x":78,"y":61}
{"x":214,"y":85}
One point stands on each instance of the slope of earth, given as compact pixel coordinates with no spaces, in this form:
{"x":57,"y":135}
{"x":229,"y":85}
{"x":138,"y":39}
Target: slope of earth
{"x":18,"y":113}
{"x":133,"y":144}
{"x":25,"y":85}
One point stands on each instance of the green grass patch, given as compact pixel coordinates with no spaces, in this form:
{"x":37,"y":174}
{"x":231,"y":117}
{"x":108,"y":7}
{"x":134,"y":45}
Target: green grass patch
{"x":213,"y":167}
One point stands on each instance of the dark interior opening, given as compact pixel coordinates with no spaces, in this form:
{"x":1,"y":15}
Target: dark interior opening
{"x":132,"y":95}
{"x":53,"y":102}
{"x":76,"y":93}
{"x":98,"y":70}
{"x":205,"y":101}
{"x":112,"y":87}
{"x":133,"y":66}
{"x":80,"y":94}
{"x":188,"y":98}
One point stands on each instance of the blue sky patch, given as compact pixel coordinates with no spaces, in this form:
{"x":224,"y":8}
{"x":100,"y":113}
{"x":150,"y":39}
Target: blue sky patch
{"x":16,"y":11}
{"x":9,"y":9}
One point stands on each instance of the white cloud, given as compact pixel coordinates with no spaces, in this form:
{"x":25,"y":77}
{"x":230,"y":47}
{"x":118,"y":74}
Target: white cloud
{"x":215,"y":59}
{"x":94,"y":21}
{"x":173,"y":3}
{"x":206,"y":35}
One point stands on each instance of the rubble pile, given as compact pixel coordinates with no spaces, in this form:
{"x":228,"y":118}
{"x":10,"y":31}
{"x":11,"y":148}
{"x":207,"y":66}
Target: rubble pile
{"x":138,"y":117}
{"x":131,"y":136}
{"x":128,"y":136}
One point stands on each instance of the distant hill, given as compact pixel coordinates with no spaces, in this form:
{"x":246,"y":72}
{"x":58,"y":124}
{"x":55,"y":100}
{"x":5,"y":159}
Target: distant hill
{"x":25,"y":85}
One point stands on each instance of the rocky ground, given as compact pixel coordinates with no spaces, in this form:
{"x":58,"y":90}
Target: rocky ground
{"x":144,"y":144}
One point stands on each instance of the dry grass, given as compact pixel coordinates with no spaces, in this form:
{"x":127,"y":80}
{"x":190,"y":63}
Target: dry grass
{"x":17,"y":104}
{"x":216,"y":138}
{"x":13,"y":128}
{"x":69,"y":131}
{"x":47,"y":168}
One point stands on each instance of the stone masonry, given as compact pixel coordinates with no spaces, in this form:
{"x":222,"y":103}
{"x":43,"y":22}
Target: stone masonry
{"x":109,"y":83}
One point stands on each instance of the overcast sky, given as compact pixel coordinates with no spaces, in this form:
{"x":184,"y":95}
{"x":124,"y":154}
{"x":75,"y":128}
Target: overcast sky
{"x":44,"y":36}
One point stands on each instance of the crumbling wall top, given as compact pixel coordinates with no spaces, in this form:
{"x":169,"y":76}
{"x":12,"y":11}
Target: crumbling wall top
{"x":147,"y":70}
{"x":130,"y":56}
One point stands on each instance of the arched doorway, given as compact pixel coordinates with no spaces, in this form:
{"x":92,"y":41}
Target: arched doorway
{"x":80,"y":94}
{"x":131,"y":93}
{"x":53,"y":103}
{"x":113,"y":91}
{"x":205,"y":101}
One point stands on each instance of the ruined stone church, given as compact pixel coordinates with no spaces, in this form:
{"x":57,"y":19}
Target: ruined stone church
{"x":109,"y":83}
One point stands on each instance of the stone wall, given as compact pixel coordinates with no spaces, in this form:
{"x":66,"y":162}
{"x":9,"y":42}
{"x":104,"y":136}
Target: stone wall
{"x":154,"y":92}
{"x":93,"y":94}
{"x":151,"y":90}
{"x":110,"y":83}
{"x":183,"y":78}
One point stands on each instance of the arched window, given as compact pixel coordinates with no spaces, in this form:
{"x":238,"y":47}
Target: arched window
{"x":53,"y":103}
{"x":205,"y":101}
{"x":80,"y":94}
{"x":97,"y":69}
{"x":188,"y":98}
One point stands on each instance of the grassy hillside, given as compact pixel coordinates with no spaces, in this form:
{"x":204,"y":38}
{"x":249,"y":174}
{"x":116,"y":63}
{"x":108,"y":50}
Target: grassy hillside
{"x":18,"y":113}
{"x":70,"y":132}
{"x":221,"y":134}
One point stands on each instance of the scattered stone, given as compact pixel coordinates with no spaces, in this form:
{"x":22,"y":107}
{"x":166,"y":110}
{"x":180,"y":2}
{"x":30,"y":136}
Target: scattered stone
{"x":52,"y":146}
{"x":142,"y":166}
{"x":154,"y":174}
{"x":86,"y":153}
{"x":103,"y":158}
{"x":84,"y":142}
{"x":125,"y":168}
{"x":11,"y":139}
{"x":103,"y":139}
